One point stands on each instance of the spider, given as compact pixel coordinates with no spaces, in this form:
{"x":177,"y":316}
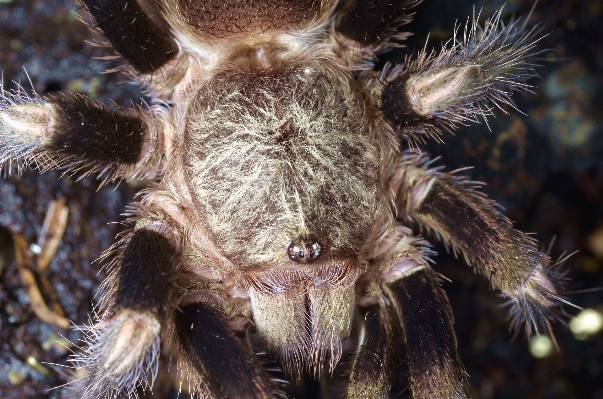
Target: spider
{"x":282,"y":206}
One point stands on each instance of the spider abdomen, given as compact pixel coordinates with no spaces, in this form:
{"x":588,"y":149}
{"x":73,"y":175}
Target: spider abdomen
{"x":225,"y":18}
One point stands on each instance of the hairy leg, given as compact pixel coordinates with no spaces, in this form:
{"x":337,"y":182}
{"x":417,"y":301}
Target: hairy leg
{"x":434,"y":367}
{"x":79,"y":134}
{"x":468,"y":222}
{"x":224,"y":364}
{"x":124,"y":345}
{"x":364,"y":28}
{"x":372,"y":367}
{"x":372,"y":22}
{"x":461,"y":82}
{"x":132,"y":34}
{"x":420,"y":306}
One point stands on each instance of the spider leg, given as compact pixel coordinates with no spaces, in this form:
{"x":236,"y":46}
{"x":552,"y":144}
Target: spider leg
{"x":132,"y":33}
{"x":225,"y":364}
{"x":123,"y":347}
{"x":434,"y":367}
{"x":466,"y":79}
{"x":407,"y":284}
{"x":468,"y":222}
{"x":373,"y":365}
{"x":78,"y":133}
{"x":372,"y":22}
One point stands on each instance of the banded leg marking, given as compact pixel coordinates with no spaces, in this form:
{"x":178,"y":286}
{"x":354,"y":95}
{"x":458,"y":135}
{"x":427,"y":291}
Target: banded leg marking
{"x":468,"y":222}
{"x":144,"y":270}
{"x":77,"y":133}
{"x":123,"y":350}
{"x":462,"y":81}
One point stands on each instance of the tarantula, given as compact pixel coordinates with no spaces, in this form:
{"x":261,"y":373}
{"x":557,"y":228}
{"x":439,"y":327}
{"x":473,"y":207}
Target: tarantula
{"x":282,"y":201}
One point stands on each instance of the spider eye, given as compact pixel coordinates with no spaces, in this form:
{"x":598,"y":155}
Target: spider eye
{"x":303,"y":251}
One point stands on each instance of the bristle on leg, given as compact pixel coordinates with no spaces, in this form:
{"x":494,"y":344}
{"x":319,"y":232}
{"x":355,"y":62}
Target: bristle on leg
{"x":434,"y":366}
{"x":121,"y":350}
{"x":76,"y":133}
{"x":24,"y":122}
{"x":373,"y":363}
{"x":215,"y":359}
{"x":121,"y":354}
{"x":537,"y":302}
{"x":461,"y":82}
{"x":451,"y":208}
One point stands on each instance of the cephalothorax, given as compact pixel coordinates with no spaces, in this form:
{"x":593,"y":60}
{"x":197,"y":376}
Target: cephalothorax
{"x":282,"y":202}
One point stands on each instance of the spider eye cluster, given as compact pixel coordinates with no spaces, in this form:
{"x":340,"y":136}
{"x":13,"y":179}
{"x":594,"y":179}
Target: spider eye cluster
{"x":301,"y":251}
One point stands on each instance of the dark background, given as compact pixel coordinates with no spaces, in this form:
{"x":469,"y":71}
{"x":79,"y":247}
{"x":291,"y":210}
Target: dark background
{"x":544,"y":167}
